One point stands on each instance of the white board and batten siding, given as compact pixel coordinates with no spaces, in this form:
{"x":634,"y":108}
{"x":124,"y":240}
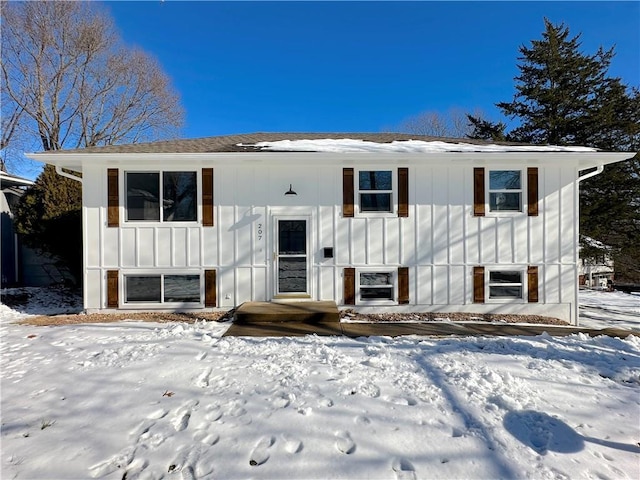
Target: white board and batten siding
{"x":440,"y":241}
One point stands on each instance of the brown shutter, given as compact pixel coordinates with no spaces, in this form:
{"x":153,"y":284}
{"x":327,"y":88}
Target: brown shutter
{"x":347,"y":192}
{"x":532,"y":191}
{"x":532,"y":284}
{"x":478,"y":192}
{"x":112,"y":289}
{"x":478,"y":284}
{"x":403,"y":285}
{"x":113,"y":198}
{"x":210,"y":290}
{"x":207,"y":197}
{"x":349,"y":286}
{"x":403,"y":192}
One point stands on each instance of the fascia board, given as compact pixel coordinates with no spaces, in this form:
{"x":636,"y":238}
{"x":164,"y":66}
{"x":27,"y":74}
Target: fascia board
{"x":580,"y":160}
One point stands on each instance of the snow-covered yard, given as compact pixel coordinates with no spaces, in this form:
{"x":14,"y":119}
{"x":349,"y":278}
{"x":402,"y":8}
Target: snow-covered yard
{"x":147,"y":400}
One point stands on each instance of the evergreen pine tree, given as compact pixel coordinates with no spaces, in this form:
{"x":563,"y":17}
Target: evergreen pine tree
{"x":565,"y":97}
{"x":48,"y":216}
{"x":486,"y":130}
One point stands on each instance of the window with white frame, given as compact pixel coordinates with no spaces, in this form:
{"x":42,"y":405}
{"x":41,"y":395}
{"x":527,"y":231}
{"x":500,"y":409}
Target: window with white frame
{"x":375,"y":189}
{"x":506,"y":284}
{"x":163,"y":288}
{"x":166,"y":196}
{"x":376,"y":286}
{"x":505,"y":190}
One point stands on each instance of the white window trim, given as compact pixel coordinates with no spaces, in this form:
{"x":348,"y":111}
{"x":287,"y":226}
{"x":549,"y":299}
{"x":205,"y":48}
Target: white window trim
{"x":522,"y":190}
{"x":394,"y":285}
{"x":160,"y":221}
{"x":155,"y":305}
{"x":393,"y":192}
{"x":499,"y":268}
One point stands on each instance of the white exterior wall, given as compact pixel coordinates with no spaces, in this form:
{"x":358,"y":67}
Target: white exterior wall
{"x":441,"y":241}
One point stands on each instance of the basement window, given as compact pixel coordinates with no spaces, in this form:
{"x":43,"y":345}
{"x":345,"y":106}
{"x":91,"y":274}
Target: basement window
{"x":376,"y":286}
{"x":506,"y":284}
{"x":161,"y":197}
{"x":162,"y":289}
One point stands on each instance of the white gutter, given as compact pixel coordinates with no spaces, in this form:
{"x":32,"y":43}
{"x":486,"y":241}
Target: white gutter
{"x":61,"y":172}
{"x":599,"y":169}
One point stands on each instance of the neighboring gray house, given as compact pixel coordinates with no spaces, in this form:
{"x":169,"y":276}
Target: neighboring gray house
{"x":12,"y":188}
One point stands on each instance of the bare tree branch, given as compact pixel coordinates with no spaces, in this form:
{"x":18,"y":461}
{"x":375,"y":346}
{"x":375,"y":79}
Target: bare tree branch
{"x":67,"y":77}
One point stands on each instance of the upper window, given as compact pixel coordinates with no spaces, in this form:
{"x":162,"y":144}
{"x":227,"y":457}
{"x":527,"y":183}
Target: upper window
{"x":376,"y":190}
{"x":505,"y":284}
{"x":178,"y":191}
{"x":505,"y":190}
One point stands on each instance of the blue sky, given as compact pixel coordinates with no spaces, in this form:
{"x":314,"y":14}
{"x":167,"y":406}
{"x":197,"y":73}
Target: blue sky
{"x":354,"y":66}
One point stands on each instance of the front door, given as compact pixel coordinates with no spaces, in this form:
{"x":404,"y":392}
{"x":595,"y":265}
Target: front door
{"x":292,"y":258}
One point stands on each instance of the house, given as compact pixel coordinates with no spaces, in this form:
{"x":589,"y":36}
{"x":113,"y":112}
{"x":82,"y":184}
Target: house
{"x":595,"y":266}
{"x":370,"y":221}
{"x":11,"y":189}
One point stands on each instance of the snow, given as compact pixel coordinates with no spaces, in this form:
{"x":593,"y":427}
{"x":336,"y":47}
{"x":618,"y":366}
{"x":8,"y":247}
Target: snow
{"x":147,"y":400}
{"x":348,"y":145}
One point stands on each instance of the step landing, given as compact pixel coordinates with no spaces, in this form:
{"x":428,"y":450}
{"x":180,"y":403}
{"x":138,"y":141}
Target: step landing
{"x":325,"y":312}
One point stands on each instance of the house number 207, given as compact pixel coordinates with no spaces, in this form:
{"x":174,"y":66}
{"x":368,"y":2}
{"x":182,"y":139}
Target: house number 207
{"x":259,"y":231}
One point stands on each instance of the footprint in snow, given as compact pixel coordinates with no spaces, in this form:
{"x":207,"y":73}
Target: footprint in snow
{"x":213,"y":415}
{"x":142,"y":428}
{"x":260,"y":453}
{"x":158,"y":414}
{"x":118,"y":461}
{"x":403,"y":469}
{"x":205,"y":437}
{"x":292,"y":444}
{"x":181,"y":418}
{"x":203,"y":379}
{"x":135,"y":468}
{"x":188,"y":473}
{"x":362,"y":420}
{"x":183,"y":462}
{"x":344,"y":443}
{"x":401,"y":400}
{"x":201,"y":356}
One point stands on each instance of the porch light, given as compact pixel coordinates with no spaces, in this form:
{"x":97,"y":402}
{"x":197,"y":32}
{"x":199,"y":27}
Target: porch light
{"x":290,"y":191}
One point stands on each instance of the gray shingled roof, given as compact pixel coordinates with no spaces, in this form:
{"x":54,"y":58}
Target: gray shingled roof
{"x":229,"y":143}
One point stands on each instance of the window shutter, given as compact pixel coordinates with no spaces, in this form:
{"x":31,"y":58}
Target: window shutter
{"x":403,"y":285}
{"x":349,"y":286}
{"x":210,"y":289}
{"x":207,"y":197}
{"x":112,"y":289}
{"x":478,"y":192}
{"x":347,"y":192}
{"x":113,"y":198}
{"x":532,"y":191}
{"x":478,"y":284}
{"x":532,"y":284}
{"x":403,"y":192}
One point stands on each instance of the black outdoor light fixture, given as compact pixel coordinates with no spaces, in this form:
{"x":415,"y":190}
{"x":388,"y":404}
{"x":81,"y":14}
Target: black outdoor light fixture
{"x":290,"y":191}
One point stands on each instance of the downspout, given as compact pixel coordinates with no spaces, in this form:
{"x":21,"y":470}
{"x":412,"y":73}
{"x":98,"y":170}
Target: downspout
{"x":62,"y":173}
{"x":599,"y":169}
